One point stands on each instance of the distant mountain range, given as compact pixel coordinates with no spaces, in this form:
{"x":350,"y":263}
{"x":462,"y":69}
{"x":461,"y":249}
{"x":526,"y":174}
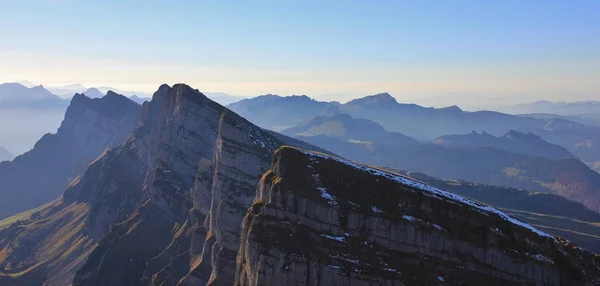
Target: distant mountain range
{"x":590,"y":119}
{"x":198,"y":195}
{"x":421,"y":123}
{"x":14,"y":95}
{"x":513,"y":142}
{"x":559,"y":108}
{"x":514,"y":160}
{"x":278,"y":113}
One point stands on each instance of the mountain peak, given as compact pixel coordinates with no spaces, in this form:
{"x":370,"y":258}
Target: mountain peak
{"x":112,"y":105}
{"x":384,"y":97}
{"x":93,"y":92}
{"x":452,"y":108}
{"x":380,"y":99}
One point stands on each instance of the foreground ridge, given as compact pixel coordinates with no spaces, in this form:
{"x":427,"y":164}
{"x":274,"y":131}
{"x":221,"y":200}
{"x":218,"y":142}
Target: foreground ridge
{"x":320,"y":219}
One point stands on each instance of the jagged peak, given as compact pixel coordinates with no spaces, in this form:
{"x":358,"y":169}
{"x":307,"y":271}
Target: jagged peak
{"x":111,"y":105}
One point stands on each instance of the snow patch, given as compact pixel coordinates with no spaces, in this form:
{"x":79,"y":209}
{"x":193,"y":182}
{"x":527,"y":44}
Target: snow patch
{"x":392,"y":270}
{"x":327,"y":196}
{"x":434,"y":192}
{"x":418,"y":220}
{"x":336,"y":238}
{"x":496,"y":230}
{"x":542,"y":258}
{"x":376,"y":210}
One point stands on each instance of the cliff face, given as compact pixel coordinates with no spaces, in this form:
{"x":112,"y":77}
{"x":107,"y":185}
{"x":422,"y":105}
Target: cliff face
{"x":320,"y":220}
{"x":163,"y":208}
{"x":90,"y":126}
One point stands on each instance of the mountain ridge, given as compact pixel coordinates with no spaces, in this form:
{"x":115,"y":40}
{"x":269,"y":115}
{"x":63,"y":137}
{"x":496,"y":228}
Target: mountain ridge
{"x":166,"y":184}
{"x":501,"y":162}
{"x":88,"y":128}
{"x":512,"y":141}
{"x":386,"y":229}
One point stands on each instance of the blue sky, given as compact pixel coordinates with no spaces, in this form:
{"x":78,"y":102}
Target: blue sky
{"x":416,"y":50}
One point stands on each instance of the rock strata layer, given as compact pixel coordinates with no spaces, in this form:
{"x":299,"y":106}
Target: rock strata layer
{"x":321,"y":220}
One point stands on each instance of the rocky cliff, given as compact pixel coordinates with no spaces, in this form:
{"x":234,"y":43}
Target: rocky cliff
{"x":321,"y":220}
{"x":90,"y":126}
{"x":163,"y":208}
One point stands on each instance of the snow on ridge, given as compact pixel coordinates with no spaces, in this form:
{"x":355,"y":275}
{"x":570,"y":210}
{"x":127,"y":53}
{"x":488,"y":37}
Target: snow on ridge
{"x":435,"y":192}
{"x":418,"y":220}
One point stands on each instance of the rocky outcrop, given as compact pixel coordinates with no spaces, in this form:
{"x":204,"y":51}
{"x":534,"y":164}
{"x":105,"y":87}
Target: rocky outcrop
{"x":163,"y":208}
{"x":321,"y":220}
{"x":90,"y":126}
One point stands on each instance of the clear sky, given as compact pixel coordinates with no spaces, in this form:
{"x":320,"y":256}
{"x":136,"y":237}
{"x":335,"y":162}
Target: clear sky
{"x":417,"y":50}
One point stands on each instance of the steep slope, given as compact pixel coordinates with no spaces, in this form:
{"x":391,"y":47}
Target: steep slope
{"x":513,"y":142}
{"x":277,"y":113}
{"x":365,"y":141}
{"x":551,"y":213}
{"x":321,"y":220}
{"x":5,"y":155}
{"x":165,"y":207}
{"x":89,"y":127}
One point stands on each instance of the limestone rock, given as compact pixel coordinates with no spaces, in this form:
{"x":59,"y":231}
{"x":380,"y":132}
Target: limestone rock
{"x":321,"y":220}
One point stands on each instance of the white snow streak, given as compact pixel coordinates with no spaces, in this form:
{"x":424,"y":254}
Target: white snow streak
{"x":435,"y":192}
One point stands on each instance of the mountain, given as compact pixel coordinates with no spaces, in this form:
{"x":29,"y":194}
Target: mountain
{"x":560,"y":108}
{"x":347,"y":128}
{"x":128,"y":93}
{"x":548,"y":212}
{"x":67,"y":91}
{"x":93,"y":93}
{"x":278,"y":113}
{"x":422,"y":123}
{"x":166,"y":205}
{"x":5,"y":155}
{"x":139,"y":100}
{"x":15,"y":94}
{"x":321,"y":220}
{"x":590,"y":119}
{"x":89,"y":127}
{"x":484,"y":161}
{"x":513,"y":142}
